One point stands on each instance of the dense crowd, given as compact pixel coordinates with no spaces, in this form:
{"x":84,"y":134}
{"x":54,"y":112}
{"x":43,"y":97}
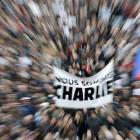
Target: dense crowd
{"x":82,"y":37}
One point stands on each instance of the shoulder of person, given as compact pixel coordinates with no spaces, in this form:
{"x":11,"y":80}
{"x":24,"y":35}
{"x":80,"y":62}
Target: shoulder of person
{"x":98,"y":118}
{"x":89,"y":119}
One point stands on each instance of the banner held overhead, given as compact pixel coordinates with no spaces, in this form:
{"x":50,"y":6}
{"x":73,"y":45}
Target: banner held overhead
{"x":77,"y":93}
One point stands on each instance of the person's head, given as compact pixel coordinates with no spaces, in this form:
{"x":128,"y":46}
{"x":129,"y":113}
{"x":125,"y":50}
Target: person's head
{"x":126,"y":91}
{"x":65,"y":58}
{"x":102,"y":113}
{"x":133,"y":115}
{"x":132,"y":136}
{"x":26,"y":100}
{"x":2,"y":128}
{"x":72,"y":132}
{"x":70,"y":121}
{"x":48,"y":70}
{"x":109,"y":42}
{"x":48,"y":136}
{"x":11,"y":98}
{"x":66,"y":119}
{"x":79,"y":115}
{"x":96,"y":35}
{"x":120,"y":113}
{"x":89,"y":135}
{"x":20,"y":138}
{"x":93,"y":114}
{"x":15,"y":132}
{"x":45,"y":119}
{"x":116,"y":99}
{"x":124,"y":102}
{"x":59,"y":123}
{"x":76,"y":71}
{"x":136,"y":84}
{"x":34,"y":74}
{"x":75,"y":56}
{"x":4,"y":137}
{"x":62,"y":113}
{"x":108,"y":135}
{"x":52,"y":106}
{"x":51,"y":76}
{"x":102,"y":41}
{"x":28,"y":119}
{"x":22,"y":88}
{"x":118,"y":137}
{"x":126,"y":108}
{"x":101,"y":64}
{"x":53,"y":121}
{"x":110,"y":119}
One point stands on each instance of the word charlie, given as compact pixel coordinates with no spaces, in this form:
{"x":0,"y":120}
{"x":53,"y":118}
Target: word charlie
{"x":83,"y":94}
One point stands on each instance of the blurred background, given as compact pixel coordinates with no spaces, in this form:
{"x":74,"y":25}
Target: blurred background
{"x":80,"y":37}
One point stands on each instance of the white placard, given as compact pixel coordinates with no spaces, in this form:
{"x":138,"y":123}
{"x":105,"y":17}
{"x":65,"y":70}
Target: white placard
{"x":76,"y":92}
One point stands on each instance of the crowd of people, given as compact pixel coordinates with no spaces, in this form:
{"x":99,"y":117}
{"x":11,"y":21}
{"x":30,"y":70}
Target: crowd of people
{"x":82,"y":37}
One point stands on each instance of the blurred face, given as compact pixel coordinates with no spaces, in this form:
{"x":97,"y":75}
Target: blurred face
{"x":132,"y":137}
{"x":65,"y":57}
{"x":53,"y":121}
{"x":11,"y":98}
{"x":26,"y":102}
{"x":59,"y":23}
{"x":108,"y":43}
{"x":52,"y":77}
{"x":35,"y":75}
{"x":93,"y":115}
{"x":137,"y":84}
{"x":65,"y":120}
{"x":102,"y":64}
{"x":102,"y":113}
{"x":75,"y":56}
{"x":89,"y":135}
{"x":45,"y":119}
{"x":49,"y":136}
{"x":52,"y":106}
{"x":98,"y":51}
{"x":126,"y":92}
{"x":4,"y":89}
{"x":5,"y":137}
{"x":5,"y":107}
{"x":76,"y":71}
{"x":22,"y":88}
{"x":48,"y":70}
{"x":117,"y":99}
{"x":109,"y":119}
{"x":62,"y":113}
{"x":59,"y":123}
{"x":28,"y":119}
{"x":124,"y":103}
{"x":77,"y":116}
{"x":71,"y":133}
{"x":70,"y":121}
{"x":2,"y":129}
{"x":73,"y":64}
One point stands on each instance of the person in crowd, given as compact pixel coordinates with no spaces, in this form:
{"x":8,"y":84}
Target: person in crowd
{"x":80,"y":124}
{"x":94,"y":123}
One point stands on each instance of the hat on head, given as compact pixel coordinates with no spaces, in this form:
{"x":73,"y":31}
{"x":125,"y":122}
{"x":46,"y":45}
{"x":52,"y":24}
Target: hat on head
{"x":25,"y":98}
